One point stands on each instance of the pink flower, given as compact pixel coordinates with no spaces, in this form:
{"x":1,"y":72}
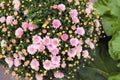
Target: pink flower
{"x":80,"y":31}
{"x":55,"y":51}
{"x":90,"y":5}
{"x":69,"y":1}
{"x":16,"y":4}
{"x":17,"y":62}
{"x":1,"y":5}
{"x":19,"y":32}
{"x":97,"y":23}
{"x":61,"y":7}
{"x":51,"y":46}
{"x":63,"y":65}
{"x":9,"y":61}
{"x":64,"y":37}
{"x":26,"y":12}
{"x":15,"y":55}
{"x":75,"y":20}
{"x":72,"y":52}
{"x":79,"y":48}
{"x":3,"y":43}
{"x":87,"y":10}
{"x":31,"y":26}
{"x":41,"y":47}
{"x":17,"y":7}
{"x":9,"y":20}
{"x":47,"y":64}
{"x":35,"y":64}
{"x":39,"y":77}
{"x":55,"y":41}
{"x":91,"y":45}
{"x":46,"y":40}
{"x":36,"y":39}
{"x":73,"y":13}
{"x":58,"y":75}
{"x":2,"y":19}
{"x":73,"y":27}
{"x":88,"y":41}
{"x":74,"y":41}
{"x":55,"y":60}
{"x":31,"y":49}
{"x":56,"y":23}
{"x":85,"y":54}
{"x":25,"y":25}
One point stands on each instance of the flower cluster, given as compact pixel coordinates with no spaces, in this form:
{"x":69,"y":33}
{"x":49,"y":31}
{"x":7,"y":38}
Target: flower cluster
{"x":42,"y":39}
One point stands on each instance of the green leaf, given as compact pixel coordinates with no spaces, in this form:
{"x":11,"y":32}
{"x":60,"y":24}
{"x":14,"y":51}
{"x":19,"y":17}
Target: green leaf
{"x":116,"y":77}
{"x":102,"y":6}
{"x":115,"y":7}
{"x":109,"y":10}
{"x":102,"y":67}
{"x":111,"y":24}
{"x":114,"y":46}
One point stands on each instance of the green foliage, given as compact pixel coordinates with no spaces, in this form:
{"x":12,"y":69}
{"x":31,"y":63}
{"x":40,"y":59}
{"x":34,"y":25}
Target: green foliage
{"x":114,"y":46}
{"x":116,"y":77}
{"x":109,"y":10}
{"x":102,"y":67}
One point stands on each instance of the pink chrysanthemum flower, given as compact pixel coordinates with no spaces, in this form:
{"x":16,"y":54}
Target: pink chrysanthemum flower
{"x":56,"y":23}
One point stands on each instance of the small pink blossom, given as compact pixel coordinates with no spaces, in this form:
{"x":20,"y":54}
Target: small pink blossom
{"x":15,"y":55}
{"x":63,"y":65}
{"x":73,"y":13}
{"x":80,"y":31}
{"x":46,"y":40}
{"x":85,"y":54}
{"x":17,"y":62}
{"x":47,"y":64}
{"x":17,"y":4}
{"x":87,"y":10}
{"x":74,"y":41}
{"x":31,"y":26}
{"x":91,"y":45}
{"x":61,"y":7}
{"x":69,"y":1}
{"x":17,"y":7}
{"x":97,"y":23}
{"x":31,"y":49}
{"x":2,"y":19}
{"x":55,"y":41}
{"x":73,"y":27}
{"x":72,"y":52}
{"x":41,"y":47}
{"x":56,"y":23}
{"x":39,"y":77}
{"x":64,"y":37}
{"x":58,"y":75}
{"x":26,"y":12}
{"x":51,"y":46}
{"x":9,"y":20}
{"x":55,"y":60}
{"x":9,"y":61}
{"x":35,"y":64}
{"x":55,"y":51}
{"x":88,"y":41}
{"x":3,"y":43}
{"x":36,"y":39}
{"x":79,"y":48}
{"x":75,"y":20}
{"x":25,"y":25}
{"x":19,"y":32}
{"x":90,"y":5}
